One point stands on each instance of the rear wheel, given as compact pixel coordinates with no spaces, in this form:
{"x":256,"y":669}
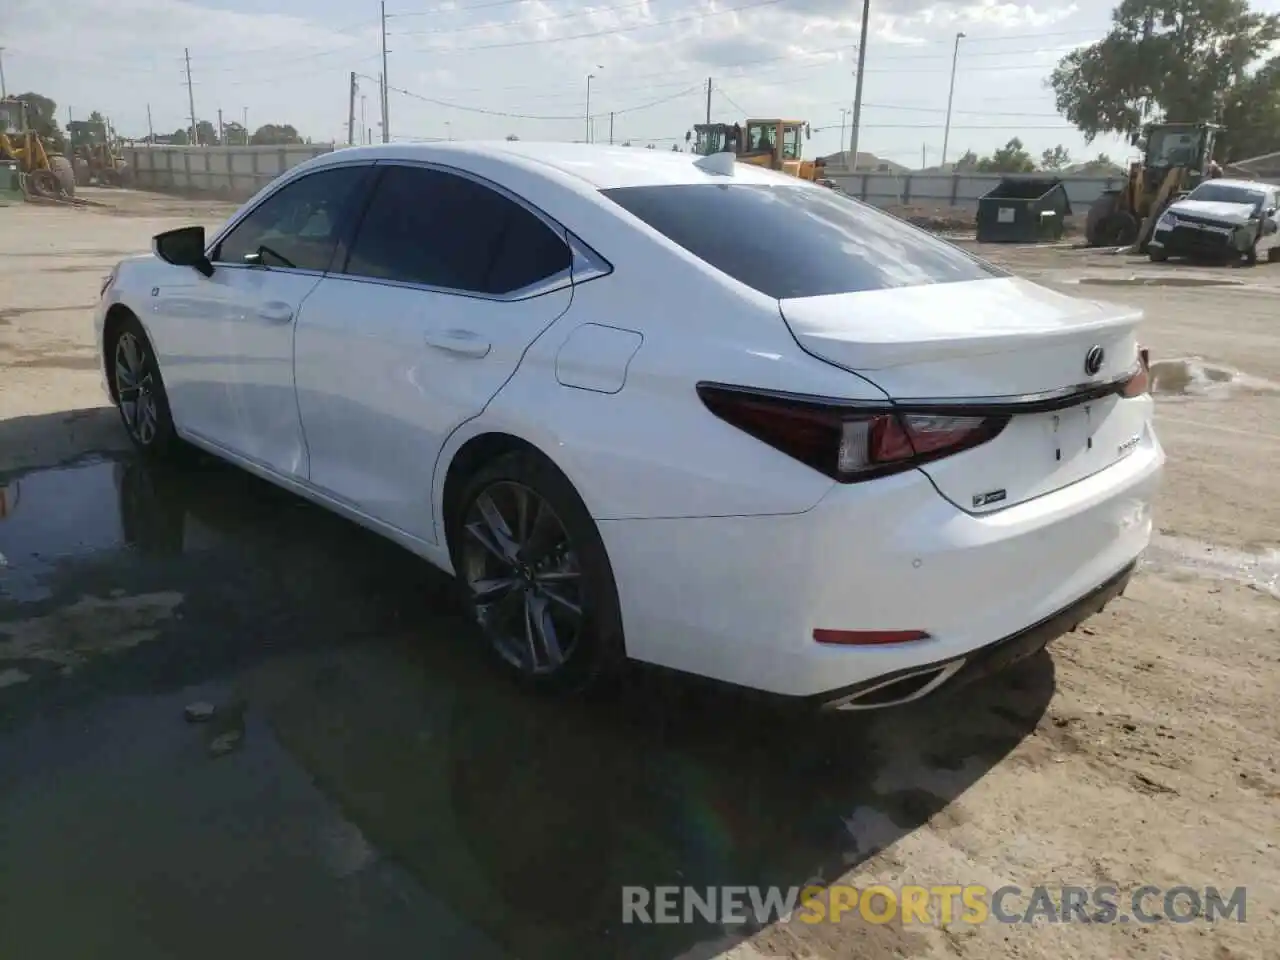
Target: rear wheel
{"x":42,"y":183}
{"x":139,"y":391}
{"x":1157,"y":256}
{"x":535,"y":574}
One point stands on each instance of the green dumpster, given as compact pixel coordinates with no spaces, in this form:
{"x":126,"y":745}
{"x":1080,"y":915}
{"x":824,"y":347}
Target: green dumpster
{"x":10,"y":182}
{"x":1023,"y":210}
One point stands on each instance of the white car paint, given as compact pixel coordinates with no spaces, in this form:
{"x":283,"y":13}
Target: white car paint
{"x":728,"y":554}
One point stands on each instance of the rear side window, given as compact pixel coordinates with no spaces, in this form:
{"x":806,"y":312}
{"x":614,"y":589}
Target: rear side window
{"x":439,"y":229}
{"x":798,"y":241}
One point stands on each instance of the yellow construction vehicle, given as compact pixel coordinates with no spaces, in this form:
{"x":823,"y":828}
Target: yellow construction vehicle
{"x":776,"y":144}
{"x":43,"y":174}
{"x":1176,"y":157}
{"x":92,"y":156}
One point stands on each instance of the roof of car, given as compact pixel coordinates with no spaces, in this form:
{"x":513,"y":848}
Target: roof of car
{"x":603,"y":167}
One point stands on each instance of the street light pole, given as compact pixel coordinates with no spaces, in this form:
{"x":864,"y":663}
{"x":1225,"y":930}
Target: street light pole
{"x":946,"y":133}
{"x":590,"y":77}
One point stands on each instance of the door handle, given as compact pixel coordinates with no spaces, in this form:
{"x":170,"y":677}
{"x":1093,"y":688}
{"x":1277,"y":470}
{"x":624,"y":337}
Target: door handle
{"x":465,"y":343}
{"x":276,"y":312}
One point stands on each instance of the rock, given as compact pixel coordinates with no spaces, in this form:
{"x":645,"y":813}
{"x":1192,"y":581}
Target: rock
{"x":199,"y":712}
{"x":225,"y":743}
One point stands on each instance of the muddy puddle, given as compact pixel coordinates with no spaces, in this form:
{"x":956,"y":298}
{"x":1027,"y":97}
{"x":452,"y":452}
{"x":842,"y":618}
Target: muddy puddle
{"x":52,"y":516}
{"x":1196,"y":377}
{"x":1182,"y":555}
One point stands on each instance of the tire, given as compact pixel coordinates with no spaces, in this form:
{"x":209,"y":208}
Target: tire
{"x":1157,"y":256}
{"x":138,"y":388}
{"x":1273,"y":255}
{"x":66,"y":174}
{"x":568,"y":562}
{"x":42,"y":183}
{"x":1251,"y":255}
{"x":1100,"y":212}
{"x":1121,"y":228}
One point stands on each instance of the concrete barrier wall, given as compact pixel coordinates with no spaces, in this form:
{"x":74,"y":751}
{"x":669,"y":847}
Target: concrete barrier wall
{"x":962,"y":191}
{"x":239,"y":172}
{"x":234,"y":172}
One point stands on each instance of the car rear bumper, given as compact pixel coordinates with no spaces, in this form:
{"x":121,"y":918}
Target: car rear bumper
{"x":737,"y":599}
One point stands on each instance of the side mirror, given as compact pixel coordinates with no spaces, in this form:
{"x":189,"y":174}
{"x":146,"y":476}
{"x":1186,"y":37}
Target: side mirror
{"x":183,"y":247}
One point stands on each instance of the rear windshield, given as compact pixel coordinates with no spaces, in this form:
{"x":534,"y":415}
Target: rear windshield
{"x":1222,"y":193}
{"x":798,"y":241}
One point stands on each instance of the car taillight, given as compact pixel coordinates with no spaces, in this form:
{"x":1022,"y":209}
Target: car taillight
{"x":1140,"y":382}
{"x":846,"y":442}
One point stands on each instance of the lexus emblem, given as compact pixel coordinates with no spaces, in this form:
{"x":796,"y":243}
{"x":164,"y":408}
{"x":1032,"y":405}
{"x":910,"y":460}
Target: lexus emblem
{"x":1093,"y":359}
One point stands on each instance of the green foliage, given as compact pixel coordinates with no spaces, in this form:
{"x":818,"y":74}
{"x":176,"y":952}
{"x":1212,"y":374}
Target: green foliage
{"x":42,"y":117}
{"x":1178,"y":60}
{"x":275,"y":134}
{"x":1055,"y":158}
{"x":1011,"y":158}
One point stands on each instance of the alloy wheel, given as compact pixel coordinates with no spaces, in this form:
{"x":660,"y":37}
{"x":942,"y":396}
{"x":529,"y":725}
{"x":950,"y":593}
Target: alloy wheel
{"x":523,"y":574}
{"x":135,"y":388}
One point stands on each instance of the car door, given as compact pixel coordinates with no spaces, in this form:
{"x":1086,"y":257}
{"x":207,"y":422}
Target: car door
{"x":234,"y":381}
{"x":448,"y":281}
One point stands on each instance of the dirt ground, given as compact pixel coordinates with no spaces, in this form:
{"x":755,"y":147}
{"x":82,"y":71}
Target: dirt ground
{"x":388,"y":796}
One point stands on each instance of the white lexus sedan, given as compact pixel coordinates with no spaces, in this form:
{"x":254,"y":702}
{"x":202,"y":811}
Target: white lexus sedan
{"x":657,"y":407}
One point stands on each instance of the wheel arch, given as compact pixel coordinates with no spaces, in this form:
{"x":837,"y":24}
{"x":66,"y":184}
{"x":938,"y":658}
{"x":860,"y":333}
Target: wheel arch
{"x":467,"y":452}
{"x":116,"y":317}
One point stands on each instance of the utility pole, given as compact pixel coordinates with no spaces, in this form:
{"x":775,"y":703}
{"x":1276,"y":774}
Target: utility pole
{"x":351,"y":113}
{"x":69,"y":120}
{"x":191,"y":98}
{"x":590,"y":77}
{"x":611,"y":128}
{"x":924,"y":151}
{"x":3,"y":92}
{"x":382,"y":105}
{"x":709,"y":101}
{"x":151,"y":133}
{"x":946,"y":133}
{"x":222,"y":130}
{"x":386,"y":123}
{"x":245,"y":124}
{"x":857,"y":90}
{"x":364,"y":126}
{"x":843,"y":114}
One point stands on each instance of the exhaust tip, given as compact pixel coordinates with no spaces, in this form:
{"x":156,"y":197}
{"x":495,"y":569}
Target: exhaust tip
{"x":900,"y":690}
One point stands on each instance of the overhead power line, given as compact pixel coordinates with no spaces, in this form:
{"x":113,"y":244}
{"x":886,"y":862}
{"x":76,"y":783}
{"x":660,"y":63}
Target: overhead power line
{"x":696,"y":88}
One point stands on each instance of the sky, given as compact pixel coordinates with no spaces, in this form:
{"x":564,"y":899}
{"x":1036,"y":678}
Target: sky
{"x":483,"y":69}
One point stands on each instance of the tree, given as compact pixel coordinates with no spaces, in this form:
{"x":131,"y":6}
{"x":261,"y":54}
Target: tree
{"x":512,"y":136}
{"x":626,"y":143}
{"x":206,"y":135}
{"x":1011,"y":158}
{"x":234,"y":134}
{"x":42,"y":117}
{"x":1055,"y":158}
{"x":675,"y":148}
{"x":275,"y":134}
{"x":649,"y":147}
{"x":1181,"y":60}
{"x":180,"y":137}
{"x":969,"y":161}
{"x":96,"y":117}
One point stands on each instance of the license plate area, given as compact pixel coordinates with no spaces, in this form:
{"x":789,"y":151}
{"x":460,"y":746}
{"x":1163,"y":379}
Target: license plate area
{"x":1070,"y":433}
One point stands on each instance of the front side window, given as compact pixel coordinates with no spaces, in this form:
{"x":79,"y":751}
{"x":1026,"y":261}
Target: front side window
{"x":299,"y":225}
{"x":791,"y":144}
{"x":438,"y":229}
{"x":798,"y":241}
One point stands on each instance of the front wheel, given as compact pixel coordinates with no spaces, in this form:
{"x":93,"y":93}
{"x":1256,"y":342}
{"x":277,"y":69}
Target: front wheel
{"x":535,"y":574}
{"x":1157,"y":256}
{"x":139,"y":391}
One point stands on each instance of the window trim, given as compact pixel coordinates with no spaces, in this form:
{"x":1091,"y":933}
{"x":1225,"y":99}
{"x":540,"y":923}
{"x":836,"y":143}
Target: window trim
{"x":584,"y":263}
{"x":282,"y":182}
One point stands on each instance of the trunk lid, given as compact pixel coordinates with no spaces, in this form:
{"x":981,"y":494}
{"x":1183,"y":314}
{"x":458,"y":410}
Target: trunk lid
{"x":999,"y":340}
